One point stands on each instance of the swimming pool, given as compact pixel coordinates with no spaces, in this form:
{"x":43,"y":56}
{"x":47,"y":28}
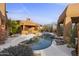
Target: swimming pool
{"x":42,"y":42}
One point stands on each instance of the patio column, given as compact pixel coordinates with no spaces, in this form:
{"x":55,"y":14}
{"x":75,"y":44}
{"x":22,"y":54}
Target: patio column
{"x":23,"y":27}
{"x":58,"y":30}
{"x":78,"y":37}
{"x":67,"y":29}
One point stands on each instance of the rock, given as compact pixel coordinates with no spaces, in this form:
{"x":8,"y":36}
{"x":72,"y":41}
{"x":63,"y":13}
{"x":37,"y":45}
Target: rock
{"x":60,"y":42}
{"x":73,"y":53}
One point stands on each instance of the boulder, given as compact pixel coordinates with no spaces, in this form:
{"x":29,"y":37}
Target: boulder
{"x":60,"y":42}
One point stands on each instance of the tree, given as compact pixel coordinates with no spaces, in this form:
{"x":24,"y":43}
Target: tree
{"x":48,"y":28}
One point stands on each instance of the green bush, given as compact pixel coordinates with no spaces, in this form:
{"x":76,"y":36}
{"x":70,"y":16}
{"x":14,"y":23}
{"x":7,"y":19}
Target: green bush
{"x":73,"y":36}
{"x":13,"y":26}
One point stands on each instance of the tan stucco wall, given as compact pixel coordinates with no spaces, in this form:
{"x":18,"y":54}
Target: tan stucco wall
{"x":3,"y":19}
{"x":73,"y":10}
{"x":3,"y":8}
{"x":67,"y":29}
{"x":29,"y":30}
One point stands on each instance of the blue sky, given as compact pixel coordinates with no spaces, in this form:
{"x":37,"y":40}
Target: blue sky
{"x":42,"y":13}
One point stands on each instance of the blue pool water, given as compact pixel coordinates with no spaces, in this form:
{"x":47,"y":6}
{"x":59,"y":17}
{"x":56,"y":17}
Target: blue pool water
{"x":43,"y":42}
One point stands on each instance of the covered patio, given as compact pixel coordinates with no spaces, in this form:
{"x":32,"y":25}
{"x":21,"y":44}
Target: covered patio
{"x":68,"y":18}
{"x":28,"y":27}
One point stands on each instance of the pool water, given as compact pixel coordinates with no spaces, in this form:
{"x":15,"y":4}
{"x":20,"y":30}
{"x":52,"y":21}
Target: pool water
{"x":42,"y":42}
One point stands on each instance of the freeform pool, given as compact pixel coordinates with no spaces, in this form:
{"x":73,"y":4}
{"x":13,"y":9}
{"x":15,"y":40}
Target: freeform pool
{"x":42,"y":42}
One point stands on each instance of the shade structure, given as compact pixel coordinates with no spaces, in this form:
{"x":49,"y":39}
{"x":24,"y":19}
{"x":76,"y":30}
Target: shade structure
{"x":28,"y":26}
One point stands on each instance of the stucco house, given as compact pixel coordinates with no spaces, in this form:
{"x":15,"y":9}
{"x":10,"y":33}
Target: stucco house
{"x":69,"y":17}
{"x":28,"y":26}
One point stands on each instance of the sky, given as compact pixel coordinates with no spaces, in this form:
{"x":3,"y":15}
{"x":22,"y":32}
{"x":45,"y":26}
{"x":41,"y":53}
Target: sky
{"x":42,"y":13}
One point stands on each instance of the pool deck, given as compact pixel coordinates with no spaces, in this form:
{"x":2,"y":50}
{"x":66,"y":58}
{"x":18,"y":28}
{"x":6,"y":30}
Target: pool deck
{"x":54,"y":50}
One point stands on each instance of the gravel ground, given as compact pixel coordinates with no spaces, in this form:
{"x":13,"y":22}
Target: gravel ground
{"x":19,"y":50}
